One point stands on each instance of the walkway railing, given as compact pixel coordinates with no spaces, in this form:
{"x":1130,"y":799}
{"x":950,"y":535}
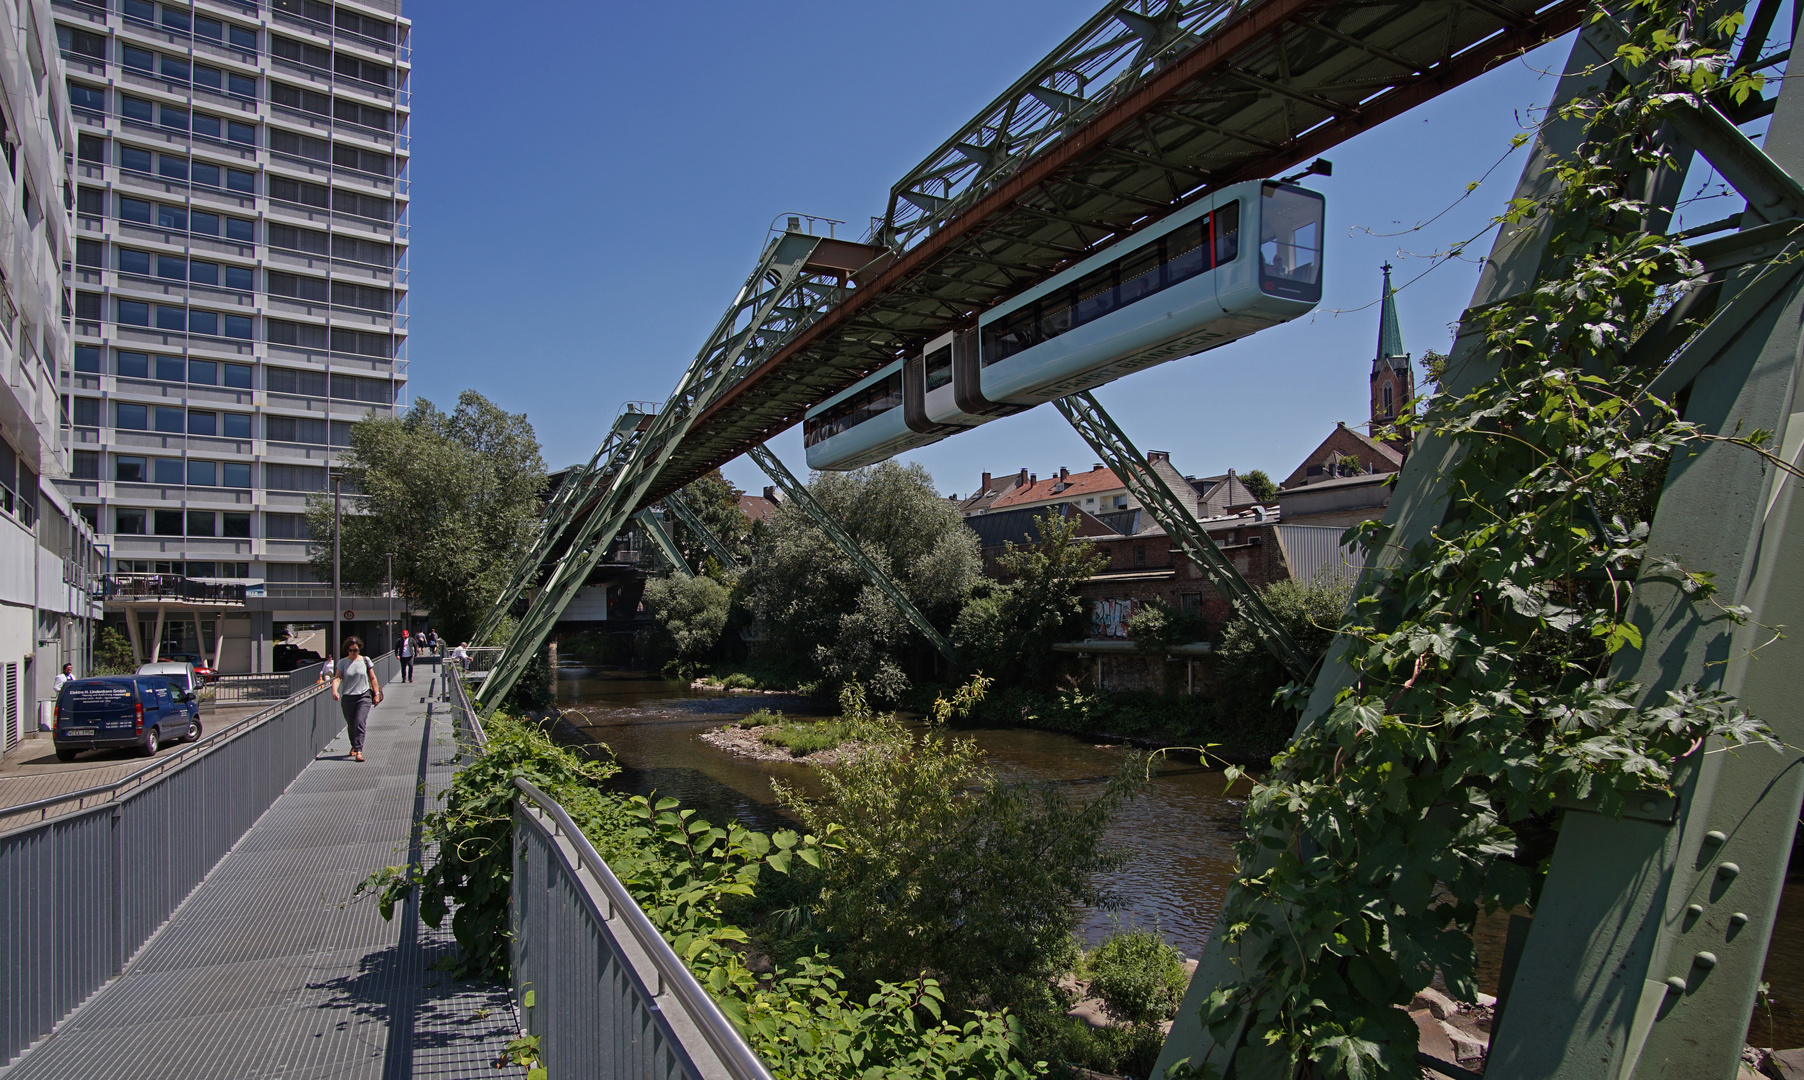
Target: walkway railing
{"x":610,"y":997}
{"x":86,"y":885}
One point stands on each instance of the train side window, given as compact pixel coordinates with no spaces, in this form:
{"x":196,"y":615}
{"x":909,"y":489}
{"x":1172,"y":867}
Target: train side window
{"x":1227,"y":232}
{"x":1055,"y":313}
{"x":1186,"y":255}
{"x":1139,"y":274}
{"x":939,"y":367}
{"x":1096,"y":294}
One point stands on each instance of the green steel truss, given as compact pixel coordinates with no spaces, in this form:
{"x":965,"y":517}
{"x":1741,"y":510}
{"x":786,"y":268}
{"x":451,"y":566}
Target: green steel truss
{"x":1174,"y":515}
{"x":1651,"y":931}
{"x":794,"y":491}
{"x":706,"y":535}
{"x":661,"y":539}
{"x":782,"y":295}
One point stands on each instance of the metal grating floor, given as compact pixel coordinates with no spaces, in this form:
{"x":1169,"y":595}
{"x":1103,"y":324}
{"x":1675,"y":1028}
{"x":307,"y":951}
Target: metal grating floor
{"x":270,"y":970}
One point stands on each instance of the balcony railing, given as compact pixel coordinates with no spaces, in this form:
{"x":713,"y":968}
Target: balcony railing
{"x":150,"y":587}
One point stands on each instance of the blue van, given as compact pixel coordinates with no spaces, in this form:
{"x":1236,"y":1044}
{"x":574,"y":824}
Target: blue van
{"x":123,"y":710}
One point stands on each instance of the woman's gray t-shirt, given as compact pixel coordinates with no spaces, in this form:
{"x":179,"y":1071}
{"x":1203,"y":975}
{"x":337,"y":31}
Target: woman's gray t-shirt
{"x":354,"y":677}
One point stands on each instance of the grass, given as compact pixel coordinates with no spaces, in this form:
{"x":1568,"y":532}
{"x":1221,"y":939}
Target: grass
{"x":760,"y":718}
{"x":754,"y":675}
{"x":802,"y":738}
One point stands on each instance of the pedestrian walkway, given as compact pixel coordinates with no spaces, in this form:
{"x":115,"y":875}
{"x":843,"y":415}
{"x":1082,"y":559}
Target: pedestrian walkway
{"x":270,"y":970}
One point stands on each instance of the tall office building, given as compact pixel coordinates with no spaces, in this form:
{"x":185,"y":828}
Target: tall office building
{"x":239,"y":292}
{"x":48,"y":592}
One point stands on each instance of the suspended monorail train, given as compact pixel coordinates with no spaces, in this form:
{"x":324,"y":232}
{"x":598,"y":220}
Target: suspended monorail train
{"x":1182,"y":286}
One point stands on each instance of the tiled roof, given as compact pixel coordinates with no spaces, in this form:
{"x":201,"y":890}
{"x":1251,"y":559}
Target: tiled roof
{"x":756,"y":507}
{"x":1022,"y":525}
{"x":1074,"y":486}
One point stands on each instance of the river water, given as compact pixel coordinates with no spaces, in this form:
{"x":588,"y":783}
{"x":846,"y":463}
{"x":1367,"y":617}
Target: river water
{"x":1179,"y":835}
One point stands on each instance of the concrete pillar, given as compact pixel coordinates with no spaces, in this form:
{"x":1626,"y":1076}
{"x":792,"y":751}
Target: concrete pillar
{"x":156,"y":638}
{"x":262,"y":641}
{"x":131,"y":633}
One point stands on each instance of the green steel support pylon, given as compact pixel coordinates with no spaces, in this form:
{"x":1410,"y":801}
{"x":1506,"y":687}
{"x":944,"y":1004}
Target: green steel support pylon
{"x":781,"y":296}
{"x":1126,"y":461}
{"x":706,"y":535}
{"x":660,"y":536}
{"x":877,"y":575}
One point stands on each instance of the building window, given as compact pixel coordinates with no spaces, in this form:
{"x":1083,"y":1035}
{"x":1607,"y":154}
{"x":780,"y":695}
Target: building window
{"x":83,"y":96}
{"x":238,"y":376}
{"x":203,"y":474}
{"x":171,"y":369}
{"x":1139,"y":554}
{"x":304,"y":335}
{"x":167,"y":471}
{"x":90,"y":201}
{"x":200,"y":523}
{"x":87,"y":306}
{"x":87,"y":465}
{"x":85,"y":412}
{"x":235,"y":525}
{"x":130,"y":417}
{"x":235,"y":425}
{"x":242,"y":230}
{"x":1121,"y":502}
{"x":169,"y":421}
{"x":235,"y":474}
{"x":239,"y":326}
{"x":82,"y":43}
{"x":286,"y":527}
{"x":168,"y":317}
{"x":91,"y":149}
{"x":172,"y":217}
{"x":133,"y":57}
{"x":131,"y":365}
{"x":130,"y":469}
{"x":134,"y":313}
{"x":87,"y":358}
{"x":202,"y":423}
{"x":295,"y":477}
{"x":166,"y":522}
{"x":280,"y":380}
{"x":173,"y":267}
{"x":131,"y":261}
{"x":134,"y":210}
{"x":134,"y":160}
{"x":239,"y":180}
{"x":1389,"y":409}
{"x":127,"y":521}
{"x":90,"y":253}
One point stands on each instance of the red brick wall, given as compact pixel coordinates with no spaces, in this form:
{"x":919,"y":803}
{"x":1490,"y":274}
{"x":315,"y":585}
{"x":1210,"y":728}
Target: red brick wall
{"x":1253,"y":549}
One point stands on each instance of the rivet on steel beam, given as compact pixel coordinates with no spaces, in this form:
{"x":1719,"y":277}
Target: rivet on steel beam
{"x":1740,"y":918}
{"x":1705,"y":959}
{"x":1727,"y":870}
{"x":1676,"y":983}
{"x":1694,"y":909}
{"x":1715,"y":837}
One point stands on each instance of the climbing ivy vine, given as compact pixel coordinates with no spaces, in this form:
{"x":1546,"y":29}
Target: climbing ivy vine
{"x":1481,"y":692}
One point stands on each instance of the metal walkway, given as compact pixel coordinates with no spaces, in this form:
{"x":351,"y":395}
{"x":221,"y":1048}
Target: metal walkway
{"x":267,"y":970}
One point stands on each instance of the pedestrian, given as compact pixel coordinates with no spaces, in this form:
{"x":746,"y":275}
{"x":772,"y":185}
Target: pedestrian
{"x":356,"y":689}
{"x":460,"y":657}
{"x":326,"y":669}
{"x":63,"y":677}
{"x":408,"y":641}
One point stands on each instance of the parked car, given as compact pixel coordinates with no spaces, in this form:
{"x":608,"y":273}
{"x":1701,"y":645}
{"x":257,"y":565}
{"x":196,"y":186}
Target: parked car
{"x":291,"y":657}
{"x":201,"y":671}
{"x":180,"y":672}
{"x":144,"y":711}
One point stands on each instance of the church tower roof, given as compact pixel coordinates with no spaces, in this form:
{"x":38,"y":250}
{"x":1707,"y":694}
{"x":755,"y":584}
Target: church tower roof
{"x":1390,"y":330}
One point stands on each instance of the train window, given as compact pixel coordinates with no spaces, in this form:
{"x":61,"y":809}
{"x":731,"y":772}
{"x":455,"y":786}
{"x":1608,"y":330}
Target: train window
{"x":939,"y":367}
{"x":1178,"y":256}
{"x":1290,"y":242}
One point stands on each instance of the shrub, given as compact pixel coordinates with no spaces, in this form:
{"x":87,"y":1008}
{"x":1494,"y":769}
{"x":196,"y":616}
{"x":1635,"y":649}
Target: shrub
{"x":760,"y":718}
{"x":1139,"y":978}
{"x":1248,"y":676}
{"x":688,"y":614}
{"x":739,"y":681}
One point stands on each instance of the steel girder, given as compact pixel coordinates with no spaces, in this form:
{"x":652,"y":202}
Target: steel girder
{"x":576,"y":491}
{"x":1087,"y":415}
{"x":876,"y":574}
{"x":706,"y":535}
{"x":666,"y":545}
{"x":1648,"y":938}
{"x":1161,"y":103}
{"x":782,"y":292}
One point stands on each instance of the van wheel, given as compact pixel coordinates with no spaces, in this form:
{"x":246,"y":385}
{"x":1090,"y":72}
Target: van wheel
{"x":193,"y":731}
{"x":65,"y":755}
{"x":150,"y":743}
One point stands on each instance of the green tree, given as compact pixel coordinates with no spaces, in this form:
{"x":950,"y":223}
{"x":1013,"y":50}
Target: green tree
{"x":455,"y":496}
{"x":1247,"y":676}
{"x":716,"y":502}
{"x":112,"y":653}
{"x":1261,"y":485}
{"x":688,"y":615}
{"x":949,"y":872}
{"x":1007,"y":630}
{"x":818,"y":607}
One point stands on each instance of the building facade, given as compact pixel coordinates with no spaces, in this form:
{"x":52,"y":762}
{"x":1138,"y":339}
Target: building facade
{"x":238,"y":287}
{"x":48,"y":554}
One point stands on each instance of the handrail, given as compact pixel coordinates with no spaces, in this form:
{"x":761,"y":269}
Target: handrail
{"x":673,"y":974}
{"x":182,"y":756}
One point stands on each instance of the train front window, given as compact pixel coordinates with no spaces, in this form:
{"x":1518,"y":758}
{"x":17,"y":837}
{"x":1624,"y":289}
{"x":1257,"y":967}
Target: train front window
{"x":939,"y":367}
{"x":1290,"y":243}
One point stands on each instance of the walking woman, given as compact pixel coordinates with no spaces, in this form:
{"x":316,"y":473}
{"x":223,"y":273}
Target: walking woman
{"x":356,"y":689}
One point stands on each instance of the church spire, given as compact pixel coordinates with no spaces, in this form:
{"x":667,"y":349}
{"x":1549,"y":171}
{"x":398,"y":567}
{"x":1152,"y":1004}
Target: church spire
{"x":1390,"y":331}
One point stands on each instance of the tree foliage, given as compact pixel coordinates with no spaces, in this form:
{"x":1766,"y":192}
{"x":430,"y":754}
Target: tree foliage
{"x":454,"y":496}
{"x":1481,"y":687}
{"x":716,"y":502}
{"x":816,"y":605}
{"x":944,"y":870}
{"x":1247,"y":675}
{"x":1261,"y":485}
{"x":687,"y":617}
{"x":1007,"y":629}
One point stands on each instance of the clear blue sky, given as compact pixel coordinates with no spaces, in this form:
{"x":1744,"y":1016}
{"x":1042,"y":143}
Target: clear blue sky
{"x":592,"y":184}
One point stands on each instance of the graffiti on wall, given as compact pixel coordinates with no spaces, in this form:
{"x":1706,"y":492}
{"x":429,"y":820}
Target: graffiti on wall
{"x":1109,"y":618}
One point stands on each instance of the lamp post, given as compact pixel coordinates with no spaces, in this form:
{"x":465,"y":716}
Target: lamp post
{"x":337,"y":588}
{"x":390,"y":556}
